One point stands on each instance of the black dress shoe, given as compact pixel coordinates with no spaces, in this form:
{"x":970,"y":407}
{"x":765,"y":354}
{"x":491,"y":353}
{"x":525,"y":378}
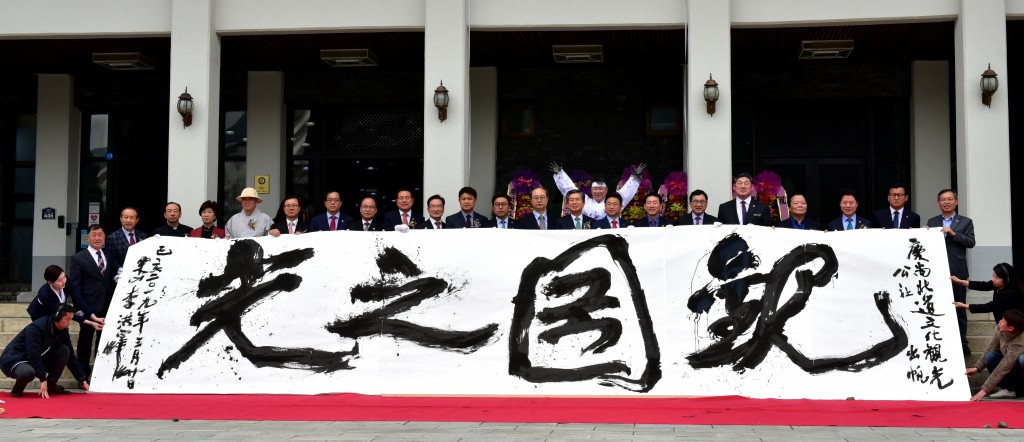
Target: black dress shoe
{"x":53,"y":389}
{"x":18,"y":389}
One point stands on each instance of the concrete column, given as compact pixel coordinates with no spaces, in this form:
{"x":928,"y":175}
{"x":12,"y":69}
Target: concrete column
{"x":57,"y":171}
{"x":983,"y":133}
{"x":265,"y":152}
{"x":446,"y":152}
{"x":484,"y":133}
{"x":709,"y":137}
{"x":193,"y":151}
{"x":930,"y":135}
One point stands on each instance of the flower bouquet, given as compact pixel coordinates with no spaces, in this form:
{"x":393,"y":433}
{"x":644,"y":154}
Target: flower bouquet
{"x":519,"y":192}
{"x":674,"y":192}
{"x":633,"y":209}
{"x":768,"y":190}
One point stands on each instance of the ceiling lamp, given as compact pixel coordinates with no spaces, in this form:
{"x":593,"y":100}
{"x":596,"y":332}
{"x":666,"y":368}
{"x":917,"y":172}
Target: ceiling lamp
{"x":347,"y":58}
{"x":825,"y":49}
{"x":578,"y":53}
{"x":123,"y":61}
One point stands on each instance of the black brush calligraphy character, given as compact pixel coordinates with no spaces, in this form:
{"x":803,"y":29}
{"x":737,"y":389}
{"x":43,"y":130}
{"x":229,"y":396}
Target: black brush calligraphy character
{"x":771,"y":318}
{"x":246,"y":263}
{"x":402,"y":286}
{"x":575,"y":317}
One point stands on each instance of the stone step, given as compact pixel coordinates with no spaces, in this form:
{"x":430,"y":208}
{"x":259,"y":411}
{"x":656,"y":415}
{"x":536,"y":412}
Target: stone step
{"x":981,"y":328}
{"x":13,"y":309}
{"x":13,"y":324}
{"x":7,"y":336}
{"x":66,"y":381}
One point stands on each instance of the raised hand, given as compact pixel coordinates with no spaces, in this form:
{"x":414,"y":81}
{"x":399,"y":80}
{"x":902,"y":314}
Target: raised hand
{"x":554,"y":167}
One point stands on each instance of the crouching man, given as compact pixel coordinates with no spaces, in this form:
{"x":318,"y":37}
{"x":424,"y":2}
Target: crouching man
{"x":42,"y":350}
{"x":1004,"y":359}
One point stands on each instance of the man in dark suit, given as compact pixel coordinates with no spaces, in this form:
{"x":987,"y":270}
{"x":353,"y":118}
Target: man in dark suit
{"x":897,"y":215}
{"x":404,"y":215}
{"x":368,"y":221}
{"x":292,"y":224}
{"x":172,"y":226}
{"x":575,"y":220}
{"x":435,"y":212}
{"x":501,"y":205}
{"x":612,"y":210}
{"x":333,"y":220}
{"x":118,"y":241}
{"x":849,"y":220}
{"x":652,"y":205}
{"x":92,"y":272}
{"x":540,"y":218}
{"x":697,"y":215}
{"x":959,"y":233}
{"x":466,"y":217}
{"x":744,"y":209}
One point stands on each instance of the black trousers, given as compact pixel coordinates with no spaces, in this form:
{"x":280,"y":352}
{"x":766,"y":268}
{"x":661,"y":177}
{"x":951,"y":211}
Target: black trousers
{"x":86,"y":347}
{"x":960,"y":295}
{"x":54,"y":360}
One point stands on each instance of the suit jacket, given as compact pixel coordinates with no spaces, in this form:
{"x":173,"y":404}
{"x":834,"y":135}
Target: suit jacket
{"x":321,"y":223}
{"x":758,"y":213}
{"x":394,"y":218}
{"x":838,"y":224}
{"x":282,"y":226}
{"x":458,"y":220}
{"x":646,"y":222}
{"x":116,"y":247}
{"x":529,"y":222}
{"x":46,"y":303}
{"x":809,"y":224}
{"x":956,"y":246}
{"x":687,"y":220}
{"x":908,"y":219}
{"x":605,"y":223}
{"x":567,"y":223}
{"x":376,"y":225}
{"x":493,"y":223}
{"x":95,"y":289}
{"x":427,"y":225}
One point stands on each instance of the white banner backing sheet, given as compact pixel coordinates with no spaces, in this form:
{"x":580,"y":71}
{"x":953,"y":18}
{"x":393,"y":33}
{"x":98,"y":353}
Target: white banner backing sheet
{"x":679,"y":311}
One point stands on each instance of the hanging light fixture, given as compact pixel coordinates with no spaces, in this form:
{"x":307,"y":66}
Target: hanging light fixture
{"x":185,"y":106}
{"x":989,"y":85}
{"x":711,"y":94}
{"x":441,"y":101}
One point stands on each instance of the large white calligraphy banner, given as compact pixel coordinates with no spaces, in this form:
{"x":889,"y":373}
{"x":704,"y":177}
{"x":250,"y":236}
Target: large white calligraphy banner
{"x":675,"y":311}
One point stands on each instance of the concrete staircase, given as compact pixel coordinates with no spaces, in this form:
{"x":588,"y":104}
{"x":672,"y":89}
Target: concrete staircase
{"x":14,"y":318}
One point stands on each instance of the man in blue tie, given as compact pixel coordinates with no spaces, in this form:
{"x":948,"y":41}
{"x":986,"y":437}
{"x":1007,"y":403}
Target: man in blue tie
{"x":897,"y":215}
{"x":501,"y":205}
{"x":849,"y":220}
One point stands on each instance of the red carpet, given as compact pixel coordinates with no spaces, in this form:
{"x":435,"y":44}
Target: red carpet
{"x":730,"y":410}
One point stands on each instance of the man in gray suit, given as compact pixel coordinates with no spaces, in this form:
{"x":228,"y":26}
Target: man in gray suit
{"x":959,"y":233}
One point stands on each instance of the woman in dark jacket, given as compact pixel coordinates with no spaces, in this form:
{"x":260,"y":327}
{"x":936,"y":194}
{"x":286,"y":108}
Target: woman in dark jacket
{"x":1008,"y":287}
{"x":55,"y":293}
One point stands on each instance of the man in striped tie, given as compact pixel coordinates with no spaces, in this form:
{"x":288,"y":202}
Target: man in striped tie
{"x":92,"y":272}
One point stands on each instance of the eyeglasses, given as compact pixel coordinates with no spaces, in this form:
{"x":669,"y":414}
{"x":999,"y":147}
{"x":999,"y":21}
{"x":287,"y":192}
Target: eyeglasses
{"x":897,"y":195}
{"x":500,"y":204}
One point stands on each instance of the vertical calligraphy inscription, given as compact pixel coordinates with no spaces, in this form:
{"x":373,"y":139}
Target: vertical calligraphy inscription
{"x":144,"y":282}
{"x":918,"y":288}
{"x":731,"y":257}
{"x":570,"y":324}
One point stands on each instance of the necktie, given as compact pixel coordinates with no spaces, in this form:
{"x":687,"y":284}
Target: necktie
{"x":405,"y":219}
{"x":615,"y":224}
{"x":578,"y":226}
{"x":100,"y":263}
{"x":366,"y":225}
{"x":849,"y":223}
{"x":503,"y":224}
{"x":651,"y":222}
{"x":131,"y":238}
{"x":469,"y":221}
{"x":896,"y":219}
{"x":541,"y":223}
{"x":291,"y":227}
{"x":437,"y":224}
{"x":697,"y":219}
{"x":744,"y":204}
{"x":334,"y":226}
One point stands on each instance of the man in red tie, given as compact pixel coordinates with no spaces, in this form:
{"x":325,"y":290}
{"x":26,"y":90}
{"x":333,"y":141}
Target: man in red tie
{"x":292,"y":224}
{"x":118,"y":242}
{"x":404,"y":215}
{"x":613,"y":212}
{"x":333,"y":220}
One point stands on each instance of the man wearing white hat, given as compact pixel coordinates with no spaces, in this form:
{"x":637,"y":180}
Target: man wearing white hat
{"x":250,"y":221}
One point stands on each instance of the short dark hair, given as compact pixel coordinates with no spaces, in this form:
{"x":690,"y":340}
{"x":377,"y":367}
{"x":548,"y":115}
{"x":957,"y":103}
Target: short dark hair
{"x":435,"y":197}
{"x":64,"y":310}
{"x":849,"y":192}
{"x":298,"y":199}
{"x":96,"y":227}
{"x":132,"y":208}
{"x":743,"y":175}
{"x":403,"y":189}
{"x":939,"y":196}
{"x":573,"y":192}
{"x":468,"y":190}
{"x":660,"y":201}
{"x":1014,"y":318}
{"x":614,"y":195}
{"x":899,"y":185}
{"x":500,"y":195}
{"x":172,"y":202}
{"x":52,"y":272}
{"x":212,"y":205}
{"x":328,"y":193}
{"x":699,"y":192}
